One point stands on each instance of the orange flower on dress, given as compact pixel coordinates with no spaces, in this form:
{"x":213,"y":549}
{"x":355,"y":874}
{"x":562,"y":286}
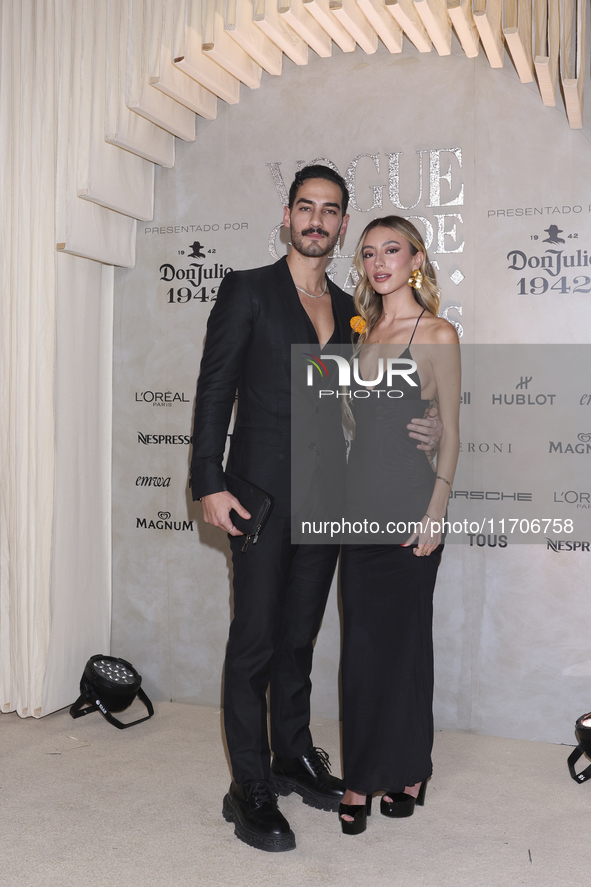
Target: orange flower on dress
{"x":358,"y":324}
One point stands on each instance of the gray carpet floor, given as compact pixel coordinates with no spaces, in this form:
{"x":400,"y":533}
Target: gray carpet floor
{"x":87,"y":805}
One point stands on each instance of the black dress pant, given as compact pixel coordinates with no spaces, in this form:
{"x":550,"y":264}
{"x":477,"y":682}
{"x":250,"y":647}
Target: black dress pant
{"x":280,"y":593}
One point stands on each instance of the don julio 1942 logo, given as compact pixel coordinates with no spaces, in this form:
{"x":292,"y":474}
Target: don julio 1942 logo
{"x":554,"y":267}
{"x":200,"y":279}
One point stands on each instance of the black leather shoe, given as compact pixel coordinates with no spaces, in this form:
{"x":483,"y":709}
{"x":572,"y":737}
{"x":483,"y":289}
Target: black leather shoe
{"x":252,"y":807}
{"x":309,"y":776}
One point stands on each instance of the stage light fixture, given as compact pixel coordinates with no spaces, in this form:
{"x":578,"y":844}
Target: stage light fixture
{"x":583,"y":731}
{"x":109,"y":684}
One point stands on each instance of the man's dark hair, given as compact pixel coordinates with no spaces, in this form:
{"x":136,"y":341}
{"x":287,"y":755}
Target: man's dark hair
{"x":318,"y":172}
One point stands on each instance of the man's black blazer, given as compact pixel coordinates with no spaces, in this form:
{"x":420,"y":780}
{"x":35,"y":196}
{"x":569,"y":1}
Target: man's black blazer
{"x":255,"y":320}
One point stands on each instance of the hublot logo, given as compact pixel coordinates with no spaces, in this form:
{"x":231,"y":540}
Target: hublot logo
{"x":523,"y":400}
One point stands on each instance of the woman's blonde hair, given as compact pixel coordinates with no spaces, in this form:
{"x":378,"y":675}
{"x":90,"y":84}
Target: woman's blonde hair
{"x":367,"y":302}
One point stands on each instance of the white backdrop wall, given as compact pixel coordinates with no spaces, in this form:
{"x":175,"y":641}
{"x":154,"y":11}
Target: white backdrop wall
{"x":484,"y":168}
{"x":92,"y":95}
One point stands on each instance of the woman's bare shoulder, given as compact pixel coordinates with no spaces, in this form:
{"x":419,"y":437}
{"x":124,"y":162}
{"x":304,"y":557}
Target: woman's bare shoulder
{"x":438,"y":331}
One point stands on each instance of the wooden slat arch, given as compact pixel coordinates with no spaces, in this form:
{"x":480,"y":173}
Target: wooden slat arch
{"x":170,"y":62}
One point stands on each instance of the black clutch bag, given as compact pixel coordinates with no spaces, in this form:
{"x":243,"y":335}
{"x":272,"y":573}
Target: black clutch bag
{"x":256,"y":501}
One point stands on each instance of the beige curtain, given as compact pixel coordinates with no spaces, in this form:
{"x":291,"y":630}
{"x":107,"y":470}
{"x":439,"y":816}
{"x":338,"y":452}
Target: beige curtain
{"x":27,"y":269}
{"x":55,"y":372}
{"x":81,"y":126}
{"x":76,"y":171}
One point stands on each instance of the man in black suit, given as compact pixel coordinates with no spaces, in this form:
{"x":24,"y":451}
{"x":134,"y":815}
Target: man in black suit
{"x":280,"y":589}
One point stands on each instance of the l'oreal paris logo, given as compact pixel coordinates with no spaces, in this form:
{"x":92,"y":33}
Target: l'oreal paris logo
{"x":399,"y":369}
{"x":161,"y":398}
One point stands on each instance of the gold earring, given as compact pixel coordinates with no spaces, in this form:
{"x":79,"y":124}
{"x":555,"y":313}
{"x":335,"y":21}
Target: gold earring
{"x":416,"y":280}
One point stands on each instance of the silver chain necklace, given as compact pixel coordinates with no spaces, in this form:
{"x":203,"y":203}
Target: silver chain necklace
{"x":312,"y":296}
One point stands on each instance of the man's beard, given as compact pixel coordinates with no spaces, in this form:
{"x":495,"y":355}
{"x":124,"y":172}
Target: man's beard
{"x":315,"y":249}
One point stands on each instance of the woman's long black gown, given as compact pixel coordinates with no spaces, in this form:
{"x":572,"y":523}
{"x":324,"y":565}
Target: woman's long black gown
{"x":387,"y":595}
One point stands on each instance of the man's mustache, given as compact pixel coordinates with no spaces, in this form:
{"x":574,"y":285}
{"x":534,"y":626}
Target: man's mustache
{"x":315,"y":231}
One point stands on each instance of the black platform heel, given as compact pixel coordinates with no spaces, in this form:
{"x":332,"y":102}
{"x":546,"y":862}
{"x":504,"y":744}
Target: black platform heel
{"x":402,"y":804}
{"x":359,"y":812}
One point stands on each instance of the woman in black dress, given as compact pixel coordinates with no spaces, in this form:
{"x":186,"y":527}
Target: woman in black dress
{"x":387,"y":590}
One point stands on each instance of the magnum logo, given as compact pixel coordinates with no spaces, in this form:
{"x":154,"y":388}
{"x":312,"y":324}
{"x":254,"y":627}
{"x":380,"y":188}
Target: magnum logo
{"x":163,"y":522}
{"x":582,"y":448}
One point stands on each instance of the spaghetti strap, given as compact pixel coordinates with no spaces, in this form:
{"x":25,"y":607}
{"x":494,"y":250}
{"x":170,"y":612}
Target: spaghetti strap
{"x":415,"y":329}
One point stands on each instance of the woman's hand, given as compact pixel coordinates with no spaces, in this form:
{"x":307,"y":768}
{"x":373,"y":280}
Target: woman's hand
{"x":428,"y":539}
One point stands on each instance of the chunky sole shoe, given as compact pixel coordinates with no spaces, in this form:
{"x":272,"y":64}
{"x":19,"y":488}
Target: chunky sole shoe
{"x":359,"y":812}
{"x":403,"y":804}
{"x":309,"y":776}
{"x":270,"y":843}
{"x":285,"y":785}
